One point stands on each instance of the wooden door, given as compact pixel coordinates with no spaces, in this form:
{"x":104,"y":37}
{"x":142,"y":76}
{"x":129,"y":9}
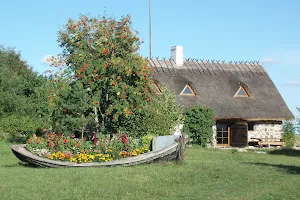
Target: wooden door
{"x":239,"y":135}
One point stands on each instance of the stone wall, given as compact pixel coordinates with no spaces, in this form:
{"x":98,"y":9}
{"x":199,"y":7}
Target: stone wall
{"x":261,"y":129}
{"x":266,"y":130}
{"x":214,"y":142}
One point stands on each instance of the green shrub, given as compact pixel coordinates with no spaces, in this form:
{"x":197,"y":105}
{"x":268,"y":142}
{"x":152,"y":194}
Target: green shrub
{"x":198,"y":125}
{"x":147,"y":140}
{"x":289,"y":134}
{"x":161,"y":118}
{"x":15,"y":126}
{"x":166,"y":115}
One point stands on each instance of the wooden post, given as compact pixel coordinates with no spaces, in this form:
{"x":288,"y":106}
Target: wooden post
{"x":181,"y":147}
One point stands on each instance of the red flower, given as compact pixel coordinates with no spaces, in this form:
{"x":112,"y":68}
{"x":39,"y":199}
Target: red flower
{"x":65,"y":141}
{"x":124,"y":139}
{"x":95,"y":138}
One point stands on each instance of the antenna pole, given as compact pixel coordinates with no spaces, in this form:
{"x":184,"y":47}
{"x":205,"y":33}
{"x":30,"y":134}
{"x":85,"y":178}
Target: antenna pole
{"x":150,"y":28}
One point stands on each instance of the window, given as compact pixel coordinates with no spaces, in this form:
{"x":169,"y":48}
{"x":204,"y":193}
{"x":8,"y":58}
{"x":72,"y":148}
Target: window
{"x":241,"y":92}
{"x":187,"y":91}
{"x":250,"y":126}
{"x":223,"y":135}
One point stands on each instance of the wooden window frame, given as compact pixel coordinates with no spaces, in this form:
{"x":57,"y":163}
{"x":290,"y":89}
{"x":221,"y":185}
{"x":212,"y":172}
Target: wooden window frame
{"x":244,"y":90}
{"x":223,"y":145}
{"x":190,"y":88}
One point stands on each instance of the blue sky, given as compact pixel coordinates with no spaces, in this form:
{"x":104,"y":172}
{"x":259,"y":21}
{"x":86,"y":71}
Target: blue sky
{"x":266,"y":31}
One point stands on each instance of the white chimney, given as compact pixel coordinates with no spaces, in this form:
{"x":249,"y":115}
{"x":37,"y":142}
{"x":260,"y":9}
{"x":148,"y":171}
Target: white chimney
{"x":177,"y":55}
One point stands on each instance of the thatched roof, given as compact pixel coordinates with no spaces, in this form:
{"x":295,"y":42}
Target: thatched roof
{"x":216,"y":83}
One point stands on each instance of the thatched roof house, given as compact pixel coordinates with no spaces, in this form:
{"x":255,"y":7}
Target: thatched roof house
{"x":242,"y":94}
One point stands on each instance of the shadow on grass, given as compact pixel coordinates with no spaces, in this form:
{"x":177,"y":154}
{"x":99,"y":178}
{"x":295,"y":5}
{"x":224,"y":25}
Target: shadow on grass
{"x":286,"y":152}
{"x":22,"y":164}
{"x":17,"y":140}
{"x":291,"y":169}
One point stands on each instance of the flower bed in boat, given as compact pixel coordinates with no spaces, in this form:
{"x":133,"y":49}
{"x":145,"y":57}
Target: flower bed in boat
{"x":102,"y":149}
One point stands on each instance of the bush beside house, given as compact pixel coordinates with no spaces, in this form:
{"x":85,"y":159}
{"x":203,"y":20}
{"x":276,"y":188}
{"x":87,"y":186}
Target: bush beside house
{"x":198,"y":125}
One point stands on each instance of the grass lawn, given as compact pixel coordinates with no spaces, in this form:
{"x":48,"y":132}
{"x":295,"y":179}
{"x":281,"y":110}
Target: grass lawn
{"x":205,"y":174}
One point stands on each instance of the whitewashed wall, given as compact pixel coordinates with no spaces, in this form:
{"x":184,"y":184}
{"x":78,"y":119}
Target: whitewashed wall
{"x":266,"y":130}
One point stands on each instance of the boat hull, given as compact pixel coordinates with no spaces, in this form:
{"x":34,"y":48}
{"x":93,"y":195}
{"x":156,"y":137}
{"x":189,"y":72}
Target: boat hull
{"x":170,"y":152}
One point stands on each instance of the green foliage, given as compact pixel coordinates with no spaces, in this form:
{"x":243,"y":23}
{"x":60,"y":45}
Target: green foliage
{"x":22,"y":102}
{"x":198,"y":124}
{"x":16,"y":125}
{"x":289,"y":134}
{"x":165,"y":113}
{"x":147,"y":140}
{"x":101,"y":79}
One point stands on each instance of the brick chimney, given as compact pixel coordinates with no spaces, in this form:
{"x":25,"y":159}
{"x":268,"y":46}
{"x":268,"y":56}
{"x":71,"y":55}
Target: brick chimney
{"x":177,"y":55}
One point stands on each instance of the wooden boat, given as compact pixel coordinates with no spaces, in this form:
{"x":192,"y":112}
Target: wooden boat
{"x":163,"y":150}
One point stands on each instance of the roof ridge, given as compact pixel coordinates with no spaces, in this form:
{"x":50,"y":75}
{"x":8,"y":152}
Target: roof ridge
{"x":209,"y":60}
{"x":244,"y":68}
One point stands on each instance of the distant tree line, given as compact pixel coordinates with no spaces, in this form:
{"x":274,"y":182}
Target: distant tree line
{"x":22,"y":95}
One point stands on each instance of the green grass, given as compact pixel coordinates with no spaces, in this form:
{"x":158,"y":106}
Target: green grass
{"x":205,"y":174}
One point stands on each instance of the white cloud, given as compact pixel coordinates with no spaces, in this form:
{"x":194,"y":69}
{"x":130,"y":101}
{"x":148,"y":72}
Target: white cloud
{"x":45,"y":60}
{"x":286,"y":57}
{"x":269,"y":60}
{"x":295,"y":82}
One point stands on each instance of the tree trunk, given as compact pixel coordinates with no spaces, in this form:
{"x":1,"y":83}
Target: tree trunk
{"x":97,"y":120}
{"x":82,"y":129}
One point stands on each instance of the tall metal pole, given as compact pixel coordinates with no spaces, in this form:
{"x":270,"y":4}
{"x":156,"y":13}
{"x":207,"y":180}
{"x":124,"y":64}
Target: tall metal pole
{"x":150,"y":28}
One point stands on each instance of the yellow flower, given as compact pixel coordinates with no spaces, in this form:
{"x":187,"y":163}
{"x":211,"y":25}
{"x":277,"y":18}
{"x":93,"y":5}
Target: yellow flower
{"x":134,"y":153}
